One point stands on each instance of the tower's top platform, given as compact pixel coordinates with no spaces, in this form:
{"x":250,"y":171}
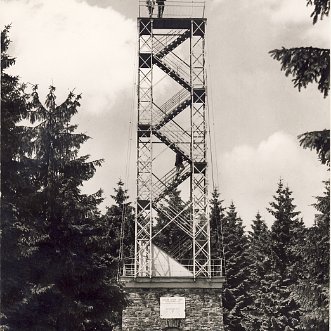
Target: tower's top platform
{"x":173,"y":8}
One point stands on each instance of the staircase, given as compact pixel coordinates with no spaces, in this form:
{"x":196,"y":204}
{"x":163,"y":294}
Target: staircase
{"x":179,"y":72}
{"x":173,"y":135}
{"x":168,"y":182}
{"x":171,"y":108}
{"x":184,"y":246}
{"x":173,"y":44}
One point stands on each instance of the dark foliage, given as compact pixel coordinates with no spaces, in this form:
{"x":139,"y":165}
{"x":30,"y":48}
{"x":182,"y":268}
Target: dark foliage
{"x":259,"y":266}
{"x":170,"y":237}
{"x":56,"y":271}
{"x":120,"y":223}
{"x":313,"y":288}
{"x":216,"y":224}
{"x":282,"y":311}
{"x":306,"y":65}
{"x":17,"y":184}
{"x":321,"y":9}
{"x":319,"y":141}
{"x":235,"y":296}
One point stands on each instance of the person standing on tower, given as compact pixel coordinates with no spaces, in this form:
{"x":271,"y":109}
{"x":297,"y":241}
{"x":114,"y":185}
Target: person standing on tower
{"x":150,"y":5}
{"x":179,"y":164}
{"x":160,"y":4}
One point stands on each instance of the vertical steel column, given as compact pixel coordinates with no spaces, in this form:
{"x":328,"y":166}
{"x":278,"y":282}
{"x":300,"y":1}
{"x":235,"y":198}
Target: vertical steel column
{"x":152,"y":190}
{"x":143,"y":226}
{"x":201,"y":231}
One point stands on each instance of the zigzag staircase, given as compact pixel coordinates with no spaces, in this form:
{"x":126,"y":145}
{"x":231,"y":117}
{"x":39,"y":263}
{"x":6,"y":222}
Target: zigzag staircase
{"x":165,"y":185}
{"x":166,"y":49}
{"x":175,"y":137}
{"x":171,"y":108}
{"x":181,"y":249}
{"x":179,"y":72}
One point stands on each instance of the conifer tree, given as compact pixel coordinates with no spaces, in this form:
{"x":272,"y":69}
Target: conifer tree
{"x":281,"y":310}
{"x":235,"y":296}
{"x":17,"y":183}
{"x":72,"y":285}
{"x":313,"y":288}
{"x":216,"y":223}
{"x":310,"y":65}
{"x":259,"y":265}
{"x":120,"y":222}
{"x":287,"y":232}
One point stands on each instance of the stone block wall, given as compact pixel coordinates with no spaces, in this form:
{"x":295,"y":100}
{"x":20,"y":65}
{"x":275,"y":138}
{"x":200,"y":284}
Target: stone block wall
{"x":203,"y":310}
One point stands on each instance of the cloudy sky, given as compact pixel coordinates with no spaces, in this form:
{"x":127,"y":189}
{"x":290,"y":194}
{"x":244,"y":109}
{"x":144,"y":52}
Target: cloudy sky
{"x":90,"y":46}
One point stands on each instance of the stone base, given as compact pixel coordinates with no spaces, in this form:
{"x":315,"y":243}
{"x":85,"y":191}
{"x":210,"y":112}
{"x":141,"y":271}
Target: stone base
{"x":203,"y":305}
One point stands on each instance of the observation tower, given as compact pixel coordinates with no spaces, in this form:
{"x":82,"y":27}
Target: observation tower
{"x":177,"y":287}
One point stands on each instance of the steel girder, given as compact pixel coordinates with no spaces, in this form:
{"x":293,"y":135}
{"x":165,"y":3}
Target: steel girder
{"x":157,"y":123}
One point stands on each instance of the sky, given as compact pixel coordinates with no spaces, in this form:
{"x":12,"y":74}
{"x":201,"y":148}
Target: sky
{"x":90,"y":46}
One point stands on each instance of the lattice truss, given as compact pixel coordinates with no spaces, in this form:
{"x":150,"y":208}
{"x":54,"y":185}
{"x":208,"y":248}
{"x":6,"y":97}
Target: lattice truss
{"x":158,"y":123}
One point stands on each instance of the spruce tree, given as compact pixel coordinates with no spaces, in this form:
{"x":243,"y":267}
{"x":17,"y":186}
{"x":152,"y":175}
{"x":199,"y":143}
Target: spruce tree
{"x":72,"y":284}
{"x":216,"y":223}
{"x":259,"y":265}
{"x":287,"y":233}
{"x":282,"y":311}
{"x":235,"y":296}
{"x":120,"y":222}
{"x":17,"y":184}
{"x":310,"y":65}
{"x":313,"y":288}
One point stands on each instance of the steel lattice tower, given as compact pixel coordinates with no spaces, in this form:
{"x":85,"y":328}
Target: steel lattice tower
{"x":159,"y":41}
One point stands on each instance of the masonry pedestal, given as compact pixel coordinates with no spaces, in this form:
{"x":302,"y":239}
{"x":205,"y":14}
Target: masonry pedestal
{"x":203,"y":303}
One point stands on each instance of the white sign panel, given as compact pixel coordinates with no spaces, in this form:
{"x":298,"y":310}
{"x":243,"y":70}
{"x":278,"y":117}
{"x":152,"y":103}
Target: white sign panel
{"x":172,"y":307}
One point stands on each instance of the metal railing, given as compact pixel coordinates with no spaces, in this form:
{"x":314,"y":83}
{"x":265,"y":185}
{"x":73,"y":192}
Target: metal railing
{"x":163,"y":183}
{"x":175,"y":101}
{"x":163,"y":41}
{"x":174,"y":8}
{"x":178,"y":217}
{"x":178,"y":136}
{"x":215,"y":268}
{"x":182,"y":248}
{"x":166,"y":109}
{"x":177,"y":65}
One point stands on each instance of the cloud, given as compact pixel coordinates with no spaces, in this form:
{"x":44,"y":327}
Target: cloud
{"x":289,"y":11}
{"x":318,"y":34}
{"x":281,"y":11}
{"x":216,"y":2}
{"x":249,"y":176}
{"x":72,"y":45}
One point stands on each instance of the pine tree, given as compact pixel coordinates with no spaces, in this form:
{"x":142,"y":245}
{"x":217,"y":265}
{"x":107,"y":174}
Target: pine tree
{"x":235,"y":297}
{"x":259,"y":265}
{"x":282,"y":311}
{"x":17,"y":183}
{"x":72,"y":287}
{"x":120,"y":222}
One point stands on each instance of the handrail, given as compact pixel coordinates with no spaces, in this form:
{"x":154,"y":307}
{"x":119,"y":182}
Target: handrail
{"x":175,"y":100}
{"x":181,"y":68}
{"x":184,"y":245}
{"x":216,"y":267}
{"x":167,"y":39}
{"x":160,"y":113}
{"x":177,"y":135}
{"x":163,"y":182}
{"x":175,"y":8}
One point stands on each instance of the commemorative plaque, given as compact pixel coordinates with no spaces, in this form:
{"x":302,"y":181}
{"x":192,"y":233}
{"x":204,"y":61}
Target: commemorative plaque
{"x":172,"y":307}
